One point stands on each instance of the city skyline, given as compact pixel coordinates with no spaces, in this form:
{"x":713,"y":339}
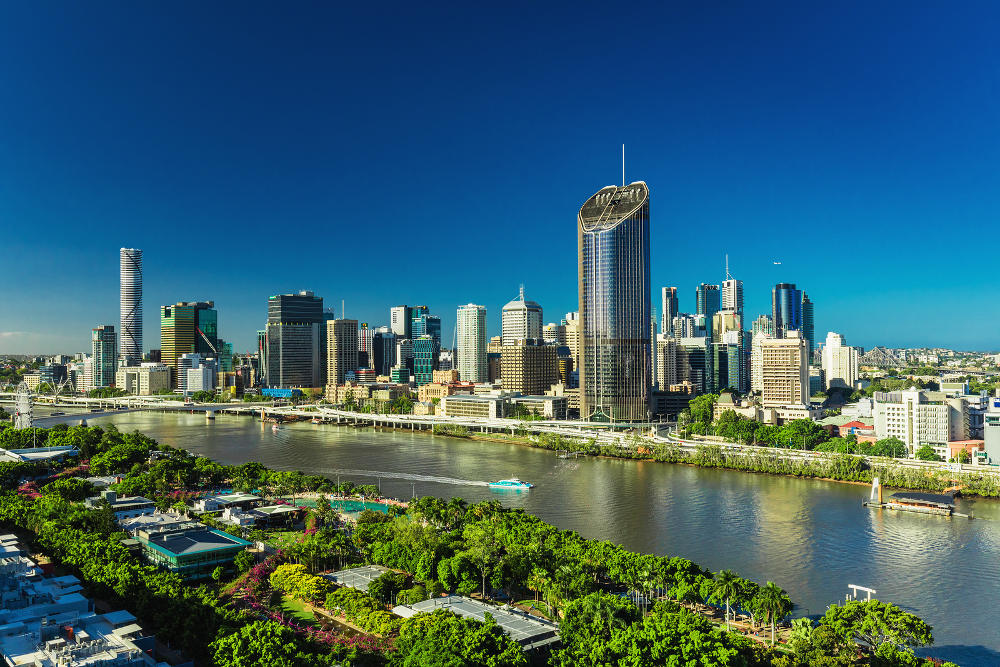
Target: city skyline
{"x":749,"y":152}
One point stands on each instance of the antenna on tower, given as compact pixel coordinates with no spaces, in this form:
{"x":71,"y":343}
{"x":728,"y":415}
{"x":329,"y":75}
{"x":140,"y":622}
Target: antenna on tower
{"x":342,"y":313}
{"x":728,"y":277}
{"x":623,"y":165}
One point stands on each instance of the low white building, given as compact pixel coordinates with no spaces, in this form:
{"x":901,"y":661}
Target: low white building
{"x":920,"y":418}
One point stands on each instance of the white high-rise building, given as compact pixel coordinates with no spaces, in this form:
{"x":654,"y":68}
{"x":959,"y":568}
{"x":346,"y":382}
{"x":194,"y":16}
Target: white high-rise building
{"x":840,"y":362}
{"x":130,"y":303}
{"x":470,"y":343}
{"x":520,"y":320}
{"x":784,"y":371}
{"x":921,"y":418}
{"x":666,"y":361}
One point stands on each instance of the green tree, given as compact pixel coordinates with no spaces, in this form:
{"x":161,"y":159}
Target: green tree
{"x":773,"y":603}
{"x":218,"y":573}
{"x":264,"y":644}
{"x":588,"y":626}
{"x":244,"y":560}
{"x":926,"y":453}
{"x":483,"y":547}
{"x":872,"y":623}
{"x":726,"y":587}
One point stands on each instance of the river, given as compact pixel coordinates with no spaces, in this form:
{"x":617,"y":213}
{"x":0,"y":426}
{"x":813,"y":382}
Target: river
{"x":811,"y":537}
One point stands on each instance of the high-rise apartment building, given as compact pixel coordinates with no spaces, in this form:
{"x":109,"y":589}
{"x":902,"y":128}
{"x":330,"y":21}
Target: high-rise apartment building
{"x":188,"y":327}
{"x":708,"y":302}
{"x":520,"y":319}
{"x":724,"y":322}
{"x":840,"y":362}
{"x":130,"y":305}
{"x":784,"y":371}
{"x":666,"y":361}
{"x":341,"y":352}
{"x":613,"y":280}
{"x":470,"y":343}
{"x":669,"y":309}
{"x":401,"y":321}
{"x":295,"y":340}
{"x":104,"y":352}
{"x":529,"y":366}
{"x":573,"y":334}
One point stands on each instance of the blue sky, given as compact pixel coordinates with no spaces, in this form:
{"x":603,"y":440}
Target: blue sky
{"x":418,"y":154}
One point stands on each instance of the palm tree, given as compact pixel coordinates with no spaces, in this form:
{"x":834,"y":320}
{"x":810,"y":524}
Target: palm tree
{"x":726,"y":587}
{"x":774,"y":603}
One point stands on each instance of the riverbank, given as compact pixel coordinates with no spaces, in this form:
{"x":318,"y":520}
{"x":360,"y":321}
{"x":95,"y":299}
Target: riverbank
{"x":841,"y":468}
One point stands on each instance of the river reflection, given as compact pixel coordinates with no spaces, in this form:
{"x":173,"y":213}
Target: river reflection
{"x":813,"y":538}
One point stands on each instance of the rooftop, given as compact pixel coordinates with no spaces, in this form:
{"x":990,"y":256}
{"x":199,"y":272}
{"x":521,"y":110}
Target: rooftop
{"x":528,"y":631}
{"x":194,"y":541}
{"x":357,"y":577}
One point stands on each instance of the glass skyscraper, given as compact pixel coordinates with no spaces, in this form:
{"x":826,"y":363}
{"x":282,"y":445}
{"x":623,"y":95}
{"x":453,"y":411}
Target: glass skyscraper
{"x":786,"y":308}
{"x":130,"y":283}
{"x":613,"y":246}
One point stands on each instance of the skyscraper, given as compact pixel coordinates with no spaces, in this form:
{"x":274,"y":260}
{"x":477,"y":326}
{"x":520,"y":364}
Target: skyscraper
{"x":424,"y":360}
{"x":732,"y":295}
{"x":130,"y":305}
{"x":808,"y":326}
{"x":786,"y":309}
{"x":669,"y":310}
{"x":103,"y":349}
{"x":400,"y":321}
{"x":470,"y":343}
{"x":341,"y":352}
{"x":185,"y":328}
{"x":840,"y":362}
{"x":784,"y":371}
{"x":520,"y":319}
{"x":708,"y":303}
{"x":613,"y":247}
{"x":296,"y":340}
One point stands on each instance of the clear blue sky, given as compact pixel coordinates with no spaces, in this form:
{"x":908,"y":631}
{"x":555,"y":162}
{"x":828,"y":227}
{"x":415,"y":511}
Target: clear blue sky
{"x":411,"y":154}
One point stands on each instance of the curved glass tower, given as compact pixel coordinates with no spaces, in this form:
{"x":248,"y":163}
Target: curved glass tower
{"x":613,"y":243}
{"x":130,"y":266}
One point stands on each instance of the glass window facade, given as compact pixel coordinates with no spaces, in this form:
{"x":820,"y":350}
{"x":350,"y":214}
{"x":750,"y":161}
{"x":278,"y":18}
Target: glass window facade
{"x":613,"y":245}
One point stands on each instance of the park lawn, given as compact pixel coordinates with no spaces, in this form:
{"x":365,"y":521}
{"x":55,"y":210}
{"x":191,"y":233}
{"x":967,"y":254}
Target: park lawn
{"x":298,"y":609}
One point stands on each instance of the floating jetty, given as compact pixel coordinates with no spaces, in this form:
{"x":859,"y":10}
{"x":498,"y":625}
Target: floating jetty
{"x":941,"y":504}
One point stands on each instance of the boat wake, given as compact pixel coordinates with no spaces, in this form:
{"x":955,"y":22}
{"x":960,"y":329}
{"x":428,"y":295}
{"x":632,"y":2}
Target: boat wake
{"x":402,"y":475}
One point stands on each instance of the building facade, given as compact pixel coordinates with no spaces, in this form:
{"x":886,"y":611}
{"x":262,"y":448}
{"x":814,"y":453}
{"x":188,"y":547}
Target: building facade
{"x":470,"y":343}
{"x":400,"y":321}
{"x":840,"y":362}
{"x":424,"y":360}
{"x":130,"y":305}
{"x":613,"y":284}
{"x":341,"y":351}
{"x":529,"y":367}
{"x":295,"y":340}
{"x":921,"y":418}
{"x":104,"y":352}
{"x":784,"y":371}
{"x":520,"y":319}
{"x":188,"y":327}
{"x":668,"y":309}
{"x":144,"y":380}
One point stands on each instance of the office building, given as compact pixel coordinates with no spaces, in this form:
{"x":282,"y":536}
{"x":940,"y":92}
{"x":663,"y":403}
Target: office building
{"x":104,"y":354}
{"x":424,"y":360}
{"x":400,"y":321}
{"x":470,"y":343}
{"x":130,"y":305}
{"x":529,"y":367}
{"x":404,"y":354}
{"x":786,"y":309}
{"x":764,"y":324}
{"x":573,"y":333}
{"x":723,"y":322}
{"x":708,"y":303}
{"x":147,"y":379}
{"x":784,"y":371}
{"x":668,"y":309}
{"x":808,"y":325}
{"x":921,"y":418}
{"x":341,"y":352}
{"x":187,"y":363}
{"x":383,"y":352}
{"x":732,"y":295}
{"x":295,"y":341}
{"x":520,"y":319}
{"x":613,"y":281}
{"x":186,"y":328}
{"x":738,"y":347}
{"x":694,"y":363}
{"x":840,"y":362}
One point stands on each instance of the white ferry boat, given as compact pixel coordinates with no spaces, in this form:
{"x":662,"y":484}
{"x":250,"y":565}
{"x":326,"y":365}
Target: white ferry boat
{"x":512,"y":483}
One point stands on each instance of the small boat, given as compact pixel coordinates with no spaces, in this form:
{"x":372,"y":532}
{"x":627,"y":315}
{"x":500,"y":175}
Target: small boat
{"x":275,"y":427}
{"x":512,"y":483}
